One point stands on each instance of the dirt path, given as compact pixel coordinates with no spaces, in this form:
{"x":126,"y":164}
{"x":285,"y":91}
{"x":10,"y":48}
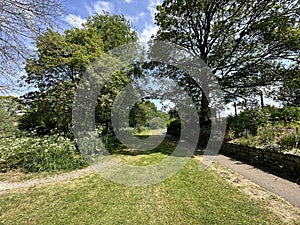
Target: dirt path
{"x":5,"y":186}
{"x":281,"y":187}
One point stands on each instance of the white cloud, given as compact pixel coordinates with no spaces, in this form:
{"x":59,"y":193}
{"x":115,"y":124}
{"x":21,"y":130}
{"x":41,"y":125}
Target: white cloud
{"x":152,"y":7}
{"x":127,"y":1}
{"x":147,"y":32}
{"x":135,"y":19}
{"x":142,"y":14}
{"x":152,"y":29}
{"x":100,"y":6}
{"x":74,"y":20}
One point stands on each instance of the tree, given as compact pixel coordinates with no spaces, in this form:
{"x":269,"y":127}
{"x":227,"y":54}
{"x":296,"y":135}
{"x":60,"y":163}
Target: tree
{"x":62,"y":57}
{"x":142,"y":113}
{"x":146,"y":114}
{"x":10,"y":108}
{"x":244,"y":43}
{"x":49,"y":111}
{"x":60,"y":62}
{"x":20,"y":23}
{"x":288,"y":91}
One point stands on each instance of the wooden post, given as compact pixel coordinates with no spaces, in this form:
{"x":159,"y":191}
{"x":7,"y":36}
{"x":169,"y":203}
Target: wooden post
{"x":262,"y":100}
{"x":235,"y":109}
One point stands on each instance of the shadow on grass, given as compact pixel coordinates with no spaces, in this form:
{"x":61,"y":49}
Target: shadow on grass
{"x":166,"y":147}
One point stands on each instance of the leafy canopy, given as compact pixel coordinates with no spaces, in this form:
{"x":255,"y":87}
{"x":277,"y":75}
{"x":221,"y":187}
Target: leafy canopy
{"x":244,"y":42}
{"x":60,"y":62}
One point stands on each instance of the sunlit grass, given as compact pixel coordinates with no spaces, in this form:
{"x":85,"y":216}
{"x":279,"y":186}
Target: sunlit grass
{"x":189,"y":197}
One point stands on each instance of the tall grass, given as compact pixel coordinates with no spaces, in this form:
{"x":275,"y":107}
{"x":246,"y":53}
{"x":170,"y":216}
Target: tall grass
{"x":36,"y":154}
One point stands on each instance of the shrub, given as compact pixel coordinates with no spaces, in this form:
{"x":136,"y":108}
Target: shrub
{"x":7,"y":124}
{"x":248,"y":120}
{"x":157,"y":123}
{"x":290,"y":139}
{"x":141,"y":130}
{"x":36,"y":154}
{"x":174,"y":128}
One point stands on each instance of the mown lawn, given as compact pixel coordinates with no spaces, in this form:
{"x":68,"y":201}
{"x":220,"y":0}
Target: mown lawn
{"x":189,"y":197}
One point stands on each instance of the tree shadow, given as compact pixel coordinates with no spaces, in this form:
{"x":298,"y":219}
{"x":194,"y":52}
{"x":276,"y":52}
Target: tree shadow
{"x":165,"y":147}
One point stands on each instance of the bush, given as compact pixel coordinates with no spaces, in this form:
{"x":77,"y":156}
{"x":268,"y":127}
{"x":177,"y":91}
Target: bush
{"x":7,"y":124}
{"x":36,"y":154}
{"x":248,"y":120}
{"x":157,"y":123}
{"x":141,"y":130}
{"x":174,"y":128}
{"x":290,"y":140}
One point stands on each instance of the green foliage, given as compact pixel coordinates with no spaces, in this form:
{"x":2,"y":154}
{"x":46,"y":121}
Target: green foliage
{"x":269,"y":128}
{"x":174,"y":127}
{"x":12,"y":105}
{"x":289,"y":90}
{"x":145,"y":113}
{"x":245,"y":44}
{"x":141,"y":130}
{"x":36,"y":154}
{"x":157,"y":123}
{"x":10,"y":108}
{"x":114,"y":30}
{"x":7,"y":124}
{"x":60,"y":62}
{"x":62,"y":57}
{"x":247,"y":121}
{"x":273,"y":136}
{"x":107,"y":96}
{"x":110,"y":140}
{"x":290,"y":140}
{"x":49,"y":111}
{"x":285,"y":115}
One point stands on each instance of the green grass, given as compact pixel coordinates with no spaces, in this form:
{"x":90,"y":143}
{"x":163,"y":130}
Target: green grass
{"x":189,"y":197}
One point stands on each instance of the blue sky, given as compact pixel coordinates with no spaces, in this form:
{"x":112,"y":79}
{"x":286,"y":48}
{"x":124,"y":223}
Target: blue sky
{"x":139,"y":12}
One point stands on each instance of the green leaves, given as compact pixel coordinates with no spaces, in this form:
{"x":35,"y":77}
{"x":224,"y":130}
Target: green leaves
{"x":244,"y":42}
{"x":62,"y":57}
{"x":61,"y":60}
{"x":37,"y":154}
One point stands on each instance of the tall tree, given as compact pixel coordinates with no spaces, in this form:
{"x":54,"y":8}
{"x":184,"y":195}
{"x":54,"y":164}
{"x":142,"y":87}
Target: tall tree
{"x":60,"y":62}
{"x":288,"y":90}
{"x":20,"y":22}
{"x":244,"y":42}
{"x":142,"y":113}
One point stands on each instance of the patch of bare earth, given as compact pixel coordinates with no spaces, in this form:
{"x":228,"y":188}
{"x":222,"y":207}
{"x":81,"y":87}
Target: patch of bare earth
{"x":19,"y":182}
{"x":286,"y":211}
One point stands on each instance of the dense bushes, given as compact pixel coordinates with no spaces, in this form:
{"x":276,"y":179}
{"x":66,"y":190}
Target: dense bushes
{"x":35,"y":154}
{"x":268,"y":128}
{"x":174,"y":127}
{"x":247,"y":121}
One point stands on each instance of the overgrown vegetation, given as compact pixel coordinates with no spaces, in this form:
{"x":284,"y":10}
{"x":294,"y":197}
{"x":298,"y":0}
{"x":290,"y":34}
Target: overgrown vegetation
{"x":38,"y":154}
{"x":270,"y":127}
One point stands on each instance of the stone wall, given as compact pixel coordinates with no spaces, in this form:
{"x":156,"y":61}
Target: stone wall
{"x":285,"y":165}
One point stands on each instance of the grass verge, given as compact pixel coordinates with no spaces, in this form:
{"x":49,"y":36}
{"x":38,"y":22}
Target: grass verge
{"x":189,"y":197}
